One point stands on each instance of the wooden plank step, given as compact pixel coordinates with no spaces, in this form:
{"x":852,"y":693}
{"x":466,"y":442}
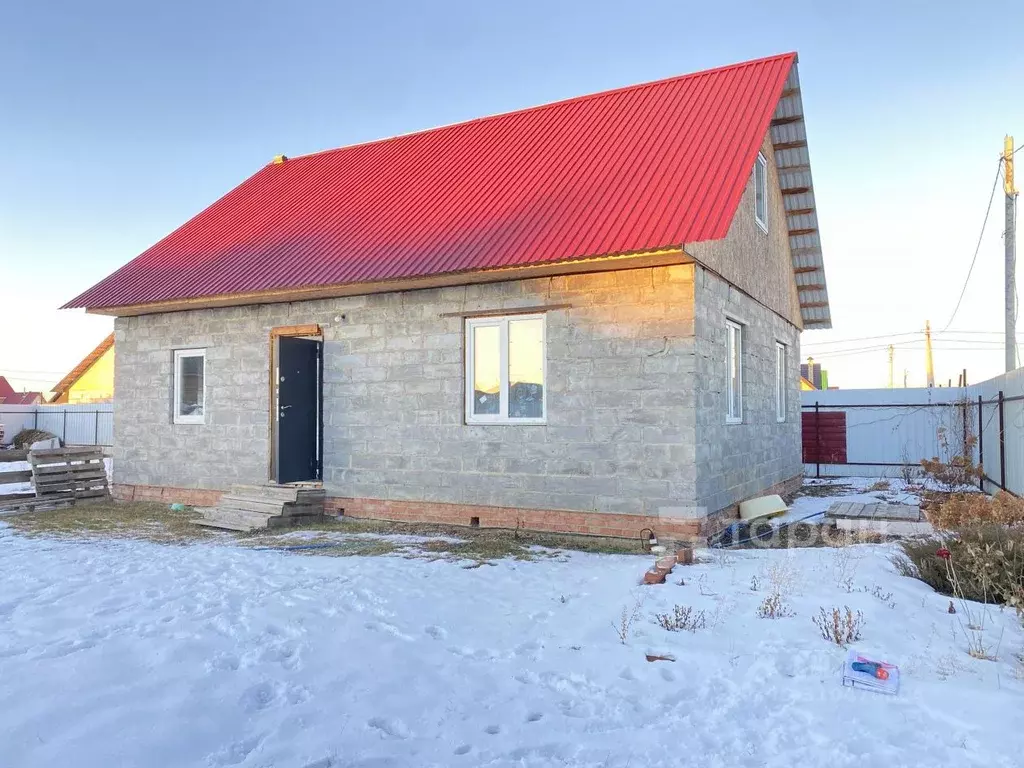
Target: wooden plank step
{"x":23,"y":476}
{"x":292,"y":510}
{"x":280,"y":493}
{"x":223,"y":525}
{"x":13,"y":455}
{"x":251,"y":519}
{"x":292,"y":521}
{"x":250,"y":503}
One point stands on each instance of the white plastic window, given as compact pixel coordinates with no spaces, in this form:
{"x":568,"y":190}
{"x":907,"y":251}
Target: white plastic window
{"x":506,"y":370}
{"x":780,"y":381}
{"x":761,"y":191}
{"x":189,"y":386}
{"x":734,"y":385}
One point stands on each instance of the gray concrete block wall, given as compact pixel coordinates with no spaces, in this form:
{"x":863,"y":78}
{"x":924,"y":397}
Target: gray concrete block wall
{"x":759,"y":262}
{"x":621,"y":431}
{"x":738,"y":461}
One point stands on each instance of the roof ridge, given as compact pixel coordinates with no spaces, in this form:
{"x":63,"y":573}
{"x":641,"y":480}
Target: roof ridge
{"x":547,"y":105}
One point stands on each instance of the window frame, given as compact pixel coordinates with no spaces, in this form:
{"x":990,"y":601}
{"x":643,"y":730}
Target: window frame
{"x":762,"y":163}
{"x":177,"y":416}
{"x":780,"y":382}
{"x":730,"y":326}
{"x":502,"y":322}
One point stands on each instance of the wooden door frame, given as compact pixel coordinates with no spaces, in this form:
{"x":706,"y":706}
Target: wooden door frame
{"x":310,"y":329}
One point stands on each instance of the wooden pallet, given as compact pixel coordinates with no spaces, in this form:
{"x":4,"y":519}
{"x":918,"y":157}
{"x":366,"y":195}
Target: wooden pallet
{"x":69,"y":473}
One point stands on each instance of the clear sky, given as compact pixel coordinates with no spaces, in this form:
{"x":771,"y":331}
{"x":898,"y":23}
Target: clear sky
{"x":121,"y":119}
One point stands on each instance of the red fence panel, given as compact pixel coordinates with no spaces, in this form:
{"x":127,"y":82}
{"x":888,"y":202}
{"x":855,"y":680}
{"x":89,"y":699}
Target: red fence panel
{"x":824,"y":437}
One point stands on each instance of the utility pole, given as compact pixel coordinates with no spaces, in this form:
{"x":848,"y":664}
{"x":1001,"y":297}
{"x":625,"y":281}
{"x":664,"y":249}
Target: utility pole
{"x":929,"y":369}
{"x":892,"y":353}
{"x":905,"y":372}
{"x":1009,"y":242}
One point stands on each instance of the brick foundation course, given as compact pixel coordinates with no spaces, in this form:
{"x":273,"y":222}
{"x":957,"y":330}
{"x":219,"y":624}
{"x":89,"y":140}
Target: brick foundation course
{"x":540,"y":520}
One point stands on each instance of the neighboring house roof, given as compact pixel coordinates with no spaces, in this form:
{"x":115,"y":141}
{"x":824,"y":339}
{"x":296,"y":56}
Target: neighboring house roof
{"x":8,"y":396}
{"x":79,"y":370}
{"x":637,"y":170}
{"x":806,"y":385}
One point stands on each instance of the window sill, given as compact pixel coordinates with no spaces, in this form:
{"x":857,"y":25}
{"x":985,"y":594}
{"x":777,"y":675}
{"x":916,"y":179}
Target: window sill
{"x":779,"y":421}
{"x":733,"y":420}
{"x":762,"y":225}
{"x":189,"y":420}
{"x":506,"y":422}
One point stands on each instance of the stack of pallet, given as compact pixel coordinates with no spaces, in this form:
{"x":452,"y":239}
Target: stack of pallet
{"x":251,"y":507}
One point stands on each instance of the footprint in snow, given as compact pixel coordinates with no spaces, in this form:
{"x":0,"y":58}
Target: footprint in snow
{"x":463,"y":749}
{"x":668,"y":675}
{"x":533,"y":717}
{"x":493,"y":729}
{"x":234,"y":753}
{"x":258,"y":697}
{"x":225,"y":662}
{"x":438,"y":633}
{"x":396,"y":729}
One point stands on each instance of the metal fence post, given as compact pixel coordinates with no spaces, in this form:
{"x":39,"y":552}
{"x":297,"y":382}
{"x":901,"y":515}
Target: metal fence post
{"x":64,"y":429}
{"x":96,"y":428}
{"x":981,"y":448}
{"x":1002,"y":445}
{"x":817,"y":440}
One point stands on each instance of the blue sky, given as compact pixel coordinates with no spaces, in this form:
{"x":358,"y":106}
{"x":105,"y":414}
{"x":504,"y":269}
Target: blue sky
{"x":123,"y":119}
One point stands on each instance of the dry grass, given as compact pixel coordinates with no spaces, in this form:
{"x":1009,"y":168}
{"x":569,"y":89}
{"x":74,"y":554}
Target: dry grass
{"x":157,"y":522}
{"x":962,"y":509}
{"x":107,"y":519}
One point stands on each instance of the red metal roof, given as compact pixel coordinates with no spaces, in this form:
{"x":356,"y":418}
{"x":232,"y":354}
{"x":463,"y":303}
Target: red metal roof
{"x":637,"y":169}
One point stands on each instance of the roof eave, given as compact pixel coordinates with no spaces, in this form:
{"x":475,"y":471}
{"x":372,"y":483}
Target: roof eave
{"x":603,"y":263}
{"x":789,"y":139}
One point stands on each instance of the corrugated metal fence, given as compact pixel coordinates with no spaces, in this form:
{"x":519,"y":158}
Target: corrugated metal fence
{"x":889,"y":431}
{"x":91,"y":424}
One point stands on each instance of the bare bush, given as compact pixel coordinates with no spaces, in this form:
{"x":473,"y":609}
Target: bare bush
{"x":841,"y":627}
{"x":878,"y":592}
{"x":955,"y":469}
{"x":682,"y":618}
{"x":774,"y":607}
{"x":629,"y":616}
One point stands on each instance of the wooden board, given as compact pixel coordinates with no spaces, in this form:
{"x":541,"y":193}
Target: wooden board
{"x":21,"y":476}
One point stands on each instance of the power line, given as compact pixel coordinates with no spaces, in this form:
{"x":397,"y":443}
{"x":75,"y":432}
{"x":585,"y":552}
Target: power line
{"x":977,"y":248}
{"x":893,"y":336}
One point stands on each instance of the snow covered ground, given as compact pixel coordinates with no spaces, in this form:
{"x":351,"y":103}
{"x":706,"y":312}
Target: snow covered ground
{"x":131,"y":653}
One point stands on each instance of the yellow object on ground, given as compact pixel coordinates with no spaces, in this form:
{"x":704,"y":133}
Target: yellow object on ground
{"x":763,"y":506}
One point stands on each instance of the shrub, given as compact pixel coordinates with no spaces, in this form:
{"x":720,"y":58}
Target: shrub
{"x":962,"y":509}
{"x":682,"y":618}
{"x":989,"y":563}
{"x":628,"y":617}
{"x":774,"y":607}
{"x":839,"y":627}
{"x":956,"y":469}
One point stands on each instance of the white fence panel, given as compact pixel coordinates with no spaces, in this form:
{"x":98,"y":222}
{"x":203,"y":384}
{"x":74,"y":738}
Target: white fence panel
{"x":1003,"y":465}
{"x":90,"y":424}
{"x":888,"y":431}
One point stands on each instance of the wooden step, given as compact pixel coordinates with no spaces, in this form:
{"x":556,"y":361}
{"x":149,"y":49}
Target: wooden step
{"x":293,"y":521}
{"x":281,"y":494}
{"x":214,"y":517}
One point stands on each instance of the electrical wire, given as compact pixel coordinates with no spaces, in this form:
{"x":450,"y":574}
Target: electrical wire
{"x":977,"y":248}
